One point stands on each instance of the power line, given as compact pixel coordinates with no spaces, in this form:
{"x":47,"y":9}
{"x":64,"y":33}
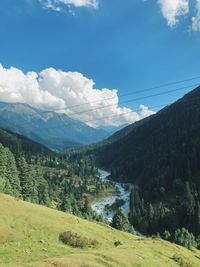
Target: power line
{"x":130,"y":100}
{"x":137,"y":110}
{"x":160,"y":86}
{"x":136,"y":92}
{"x":135,"y":99}
{"x":161,"y":105}
{"x":128,"y":112}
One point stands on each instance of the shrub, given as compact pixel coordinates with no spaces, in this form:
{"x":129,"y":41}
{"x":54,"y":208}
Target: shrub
{"x":182,"y":263}
{"x":76,"y":241}
{"x":156,"y":236}
{"x":117,"y":243}
{"x":120,"y":221}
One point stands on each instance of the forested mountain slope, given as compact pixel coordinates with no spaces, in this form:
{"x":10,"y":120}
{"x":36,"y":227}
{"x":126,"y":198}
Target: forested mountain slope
{"x":162,"y":155}
{"x":162,"y":139}
{"x":20,"y":144}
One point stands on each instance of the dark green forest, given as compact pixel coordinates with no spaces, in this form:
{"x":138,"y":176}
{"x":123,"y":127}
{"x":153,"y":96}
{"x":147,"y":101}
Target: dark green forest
{"x":161,"y":156}
{"x":33,"y":173}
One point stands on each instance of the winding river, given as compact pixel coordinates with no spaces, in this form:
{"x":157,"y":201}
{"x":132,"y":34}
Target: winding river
{"x":123,"y":193}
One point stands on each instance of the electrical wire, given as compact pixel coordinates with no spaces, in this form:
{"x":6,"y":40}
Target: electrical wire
{"x":135,"y":92}
{"x":134,"y":99}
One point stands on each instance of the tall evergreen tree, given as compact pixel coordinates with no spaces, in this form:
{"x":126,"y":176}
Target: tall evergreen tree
{"x":42,"y":187}
{"x":2,"y":168}
{"x":12,"y":179}
{"x":27,"y":186}
{"x":9,"y":180}
{"x":120,"y":220}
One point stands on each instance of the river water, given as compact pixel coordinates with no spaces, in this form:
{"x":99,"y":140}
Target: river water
{"x":123,"y":192}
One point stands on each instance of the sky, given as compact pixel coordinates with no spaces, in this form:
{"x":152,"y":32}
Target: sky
{"x":75,"y":56}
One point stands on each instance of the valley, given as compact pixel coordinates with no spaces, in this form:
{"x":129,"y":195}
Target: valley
{"x":151,"y":200}
{"x":160,"y":155}
{"x":99,"y":133}
{"x":101,"y":206}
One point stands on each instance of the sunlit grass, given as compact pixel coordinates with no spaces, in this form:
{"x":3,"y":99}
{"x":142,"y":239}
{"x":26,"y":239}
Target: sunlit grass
{"x":29,"y":236}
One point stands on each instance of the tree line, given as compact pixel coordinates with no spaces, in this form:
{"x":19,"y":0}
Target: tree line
{"x":50,"y":180}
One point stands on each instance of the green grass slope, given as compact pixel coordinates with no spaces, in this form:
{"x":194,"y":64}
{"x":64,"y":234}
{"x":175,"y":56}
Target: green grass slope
{"x":29,"y":237}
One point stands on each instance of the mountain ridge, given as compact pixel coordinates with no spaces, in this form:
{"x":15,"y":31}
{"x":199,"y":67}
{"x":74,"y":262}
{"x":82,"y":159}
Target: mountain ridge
{"x":54,"y":130}
{"x":20,"y":144}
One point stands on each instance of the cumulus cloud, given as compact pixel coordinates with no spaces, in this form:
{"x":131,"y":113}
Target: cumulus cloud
{"x":67,"y":92}
{"x":15,"y":86}
{"x":60,"y":5}
{"x":172,"y":9}
{"x":145,"y":112}
{"x":196,"y":18}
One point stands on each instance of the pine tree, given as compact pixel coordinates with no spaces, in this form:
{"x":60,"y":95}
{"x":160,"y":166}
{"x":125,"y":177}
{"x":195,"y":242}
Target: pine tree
{"x":9,"y":180}
{"x":2,"y":168}
{"x":190,"y":203}
{"x":34,"y":184}
{"x":42,"y":187}
{"x":27,"y":186}
{"x":166,"y":235}
{"x":120,"y":221}
{"x":150,"y":218}
{"x":184,"y":238}
{"x":197,"y":223}
{"x":13,"y":183}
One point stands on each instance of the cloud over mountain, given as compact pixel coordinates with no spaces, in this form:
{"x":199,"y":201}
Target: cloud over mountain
{"x":67,"y":92}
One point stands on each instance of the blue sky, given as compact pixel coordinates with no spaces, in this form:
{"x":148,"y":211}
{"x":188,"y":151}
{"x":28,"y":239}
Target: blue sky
{"x":125,"y":45}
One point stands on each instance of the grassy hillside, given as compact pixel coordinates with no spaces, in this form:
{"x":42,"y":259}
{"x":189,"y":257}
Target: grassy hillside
{"x":29,"y":237}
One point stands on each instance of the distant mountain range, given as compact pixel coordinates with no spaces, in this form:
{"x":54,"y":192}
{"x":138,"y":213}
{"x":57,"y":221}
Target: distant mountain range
{"x":54,"y":130}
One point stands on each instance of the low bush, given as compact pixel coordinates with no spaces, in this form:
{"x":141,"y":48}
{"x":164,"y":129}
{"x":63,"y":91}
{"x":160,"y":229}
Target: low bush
{"x":117,"y":243}
{"x":182,"y":263}
{"x":77,"y":241}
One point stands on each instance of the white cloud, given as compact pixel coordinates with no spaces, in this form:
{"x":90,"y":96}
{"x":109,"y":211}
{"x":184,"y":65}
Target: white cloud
{"x":196,"y":19}
{"x":66,"y":92}
{"x":172,"y":9}
{"x":58,"y":5}
{"x":15,"y":86}
{"x":145,"y":112}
